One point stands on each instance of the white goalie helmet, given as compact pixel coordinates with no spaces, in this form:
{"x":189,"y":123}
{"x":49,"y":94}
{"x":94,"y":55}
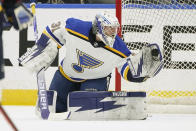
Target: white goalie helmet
{"x":106,"y":27}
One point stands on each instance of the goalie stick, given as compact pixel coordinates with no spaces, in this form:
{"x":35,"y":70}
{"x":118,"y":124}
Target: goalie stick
{"x":42,"y":92}
{"x":32,"y":5}
{"x":43,"y":100}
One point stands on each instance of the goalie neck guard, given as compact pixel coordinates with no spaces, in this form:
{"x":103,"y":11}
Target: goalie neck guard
{"x":106,"y":27}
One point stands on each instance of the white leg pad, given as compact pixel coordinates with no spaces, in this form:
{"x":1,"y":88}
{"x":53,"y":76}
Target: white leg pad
{"x":107,"y":105}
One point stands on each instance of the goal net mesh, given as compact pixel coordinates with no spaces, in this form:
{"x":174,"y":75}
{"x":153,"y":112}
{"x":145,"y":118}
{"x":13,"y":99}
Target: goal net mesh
{"x":172,"y":25}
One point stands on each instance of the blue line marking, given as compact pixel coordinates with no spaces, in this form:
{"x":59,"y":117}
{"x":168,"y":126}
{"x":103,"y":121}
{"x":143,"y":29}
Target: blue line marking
{"x":71,"y":6}
{"x":112,"y":6}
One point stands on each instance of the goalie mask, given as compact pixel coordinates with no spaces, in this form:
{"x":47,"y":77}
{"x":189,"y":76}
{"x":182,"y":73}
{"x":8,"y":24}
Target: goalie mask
{"x":106,"y":27}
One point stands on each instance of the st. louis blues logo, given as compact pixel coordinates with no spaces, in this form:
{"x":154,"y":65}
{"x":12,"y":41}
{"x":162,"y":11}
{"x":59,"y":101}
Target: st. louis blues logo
{"x":85,"y":61}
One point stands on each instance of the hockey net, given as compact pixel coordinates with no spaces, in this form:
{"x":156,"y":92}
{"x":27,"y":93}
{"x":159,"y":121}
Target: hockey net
{"x":172,"y":25}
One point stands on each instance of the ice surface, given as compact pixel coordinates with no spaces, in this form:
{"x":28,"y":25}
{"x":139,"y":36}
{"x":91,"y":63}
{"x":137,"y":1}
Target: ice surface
{"x":25,"y":120}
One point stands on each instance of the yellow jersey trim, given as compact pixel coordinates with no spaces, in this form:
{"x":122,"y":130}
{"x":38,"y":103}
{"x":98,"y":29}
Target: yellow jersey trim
{"x":48,"y":35}
{"x":126,"y":72}
{"x":116,"y":51}
{"x":78,"y":34}
{"x":67,"y":77}
{"x":106,"y":47}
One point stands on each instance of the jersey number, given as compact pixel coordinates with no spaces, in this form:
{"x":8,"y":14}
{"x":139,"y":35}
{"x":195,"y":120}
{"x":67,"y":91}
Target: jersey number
{"x":55,"y":26}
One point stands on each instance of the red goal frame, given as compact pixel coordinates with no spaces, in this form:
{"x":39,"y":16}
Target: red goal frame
{"x":118,"y":15}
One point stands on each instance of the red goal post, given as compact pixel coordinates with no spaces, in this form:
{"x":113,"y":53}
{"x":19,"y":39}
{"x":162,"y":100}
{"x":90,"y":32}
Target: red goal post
{"x":117,"y":74}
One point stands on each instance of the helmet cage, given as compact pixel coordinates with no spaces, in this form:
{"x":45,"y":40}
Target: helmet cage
{"x":107,"y":35}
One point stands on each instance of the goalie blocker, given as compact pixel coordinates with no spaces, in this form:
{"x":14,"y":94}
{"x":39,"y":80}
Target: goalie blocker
{"x":39,"y":56}
{"x":102,"y":105}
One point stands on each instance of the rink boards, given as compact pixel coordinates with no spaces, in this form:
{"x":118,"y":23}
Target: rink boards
{"x":19,"y":87}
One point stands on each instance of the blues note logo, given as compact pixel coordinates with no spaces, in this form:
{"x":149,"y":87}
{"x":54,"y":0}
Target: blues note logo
{"x":85,"y":61}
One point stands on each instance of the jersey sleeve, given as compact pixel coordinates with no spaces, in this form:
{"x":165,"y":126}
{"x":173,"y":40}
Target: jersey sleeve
{"x":125,"y":72}
{"x":55,"y":32}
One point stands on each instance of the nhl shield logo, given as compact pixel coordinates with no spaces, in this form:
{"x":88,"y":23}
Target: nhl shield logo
{"x":85,"y":61}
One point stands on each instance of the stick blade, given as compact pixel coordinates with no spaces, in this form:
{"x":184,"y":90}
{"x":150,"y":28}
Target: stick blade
{"x":59,"y":116}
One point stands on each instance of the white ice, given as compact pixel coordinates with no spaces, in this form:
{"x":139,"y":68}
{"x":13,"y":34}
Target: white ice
{"x":25,"y":120}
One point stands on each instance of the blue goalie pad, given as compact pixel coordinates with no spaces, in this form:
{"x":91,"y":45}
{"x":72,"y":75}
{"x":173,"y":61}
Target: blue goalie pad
{"x":105,"y":105}
{"x":103,"y":94}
